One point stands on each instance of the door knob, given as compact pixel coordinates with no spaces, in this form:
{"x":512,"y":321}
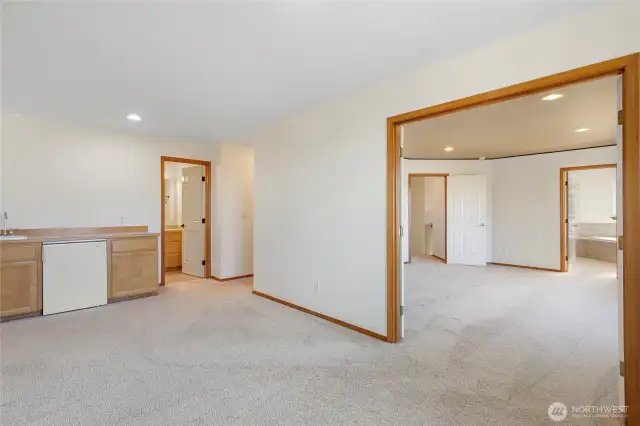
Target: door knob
{"x":482,"y":224}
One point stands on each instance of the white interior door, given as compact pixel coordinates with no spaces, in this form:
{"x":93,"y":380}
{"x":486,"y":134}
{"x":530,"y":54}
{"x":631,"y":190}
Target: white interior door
{"x":193,"y":214}
{"x":467,"y":220}
{"x":573,"y":207}
{"x":620,"y":260}
{"x":403,"y":235}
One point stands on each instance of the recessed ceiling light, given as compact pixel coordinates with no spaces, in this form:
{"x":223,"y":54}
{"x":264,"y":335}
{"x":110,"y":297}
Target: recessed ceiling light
{"x":581,"y":130}
{"x":553,"y":97}
{"x":482,"y":158}
{"x":134,"y":117}
{"x":449,"y":148}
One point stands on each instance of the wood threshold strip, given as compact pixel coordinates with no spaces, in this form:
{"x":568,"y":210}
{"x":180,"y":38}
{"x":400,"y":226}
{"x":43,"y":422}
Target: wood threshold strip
{"x":324,"y":317}
{"x":439,"y":258}
{"x":524,"y":267}
{"x":232,"y":278}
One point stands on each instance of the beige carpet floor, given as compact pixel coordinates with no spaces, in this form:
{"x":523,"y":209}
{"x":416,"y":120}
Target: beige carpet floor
{"x":172,"y":277}
{"x":484,"y":346}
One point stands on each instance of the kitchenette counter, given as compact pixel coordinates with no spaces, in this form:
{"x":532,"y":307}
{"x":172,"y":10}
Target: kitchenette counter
{"x":131,"y":265}
{"x":96,"y":236}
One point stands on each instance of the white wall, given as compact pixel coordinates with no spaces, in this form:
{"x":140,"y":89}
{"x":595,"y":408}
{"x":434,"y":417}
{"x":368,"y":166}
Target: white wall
{"x":233,"y":223}
{"x":435,"y":201}
{"x":1,"y":121}
{"x":417,"y":222}
{"x":453,"y":167}
{"x":526,"y":205}
{"x":320,"y":186}
{"x":1,"y":171}
{"x":62,"y":176}
{"x":56,"y":175}
{"x":596,"y":195}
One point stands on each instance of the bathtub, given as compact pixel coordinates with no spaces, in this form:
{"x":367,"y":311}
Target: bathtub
{"x":599,"y":248}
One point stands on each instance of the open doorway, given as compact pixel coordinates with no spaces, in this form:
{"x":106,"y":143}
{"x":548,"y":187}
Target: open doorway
{"x":501,"y":299}
{"x":589,"y":214}
{"x":185,"y":201}
{"x":428,"y":216}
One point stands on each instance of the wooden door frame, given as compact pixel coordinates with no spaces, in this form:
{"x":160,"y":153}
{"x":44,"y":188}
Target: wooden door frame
{"x":426,"y":175}
{"x":207,"y":212}
{"x":629,"y":68}
{"x":563,"y":207}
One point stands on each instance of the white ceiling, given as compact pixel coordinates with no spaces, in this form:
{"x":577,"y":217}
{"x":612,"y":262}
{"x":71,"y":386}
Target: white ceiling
{"x":521,"y":126}
{"x":218,"y":70}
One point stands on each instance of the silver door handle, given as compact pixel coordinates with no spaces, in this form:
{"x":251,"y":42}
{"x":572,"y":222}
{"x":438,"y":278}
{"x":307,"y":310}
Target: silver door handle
{"x":482,"y":224}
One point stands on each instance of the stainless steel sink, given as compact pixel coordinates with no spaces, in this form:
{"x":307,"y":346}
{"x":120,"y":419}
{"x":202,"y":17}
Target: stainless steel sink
{"x":12,"y":237}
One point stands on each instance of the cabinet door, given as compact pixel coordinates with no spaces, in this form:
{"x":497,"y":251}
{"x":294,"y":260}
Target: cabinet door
{"x":173,"y":261}
{"x":19,"y":293}
{"x":174,"y":236}
{"x":134,"y":273}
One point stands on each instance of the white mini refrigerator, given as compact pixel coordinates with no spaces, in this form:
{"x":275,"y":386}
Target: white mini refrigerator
{"x":74,"y":275}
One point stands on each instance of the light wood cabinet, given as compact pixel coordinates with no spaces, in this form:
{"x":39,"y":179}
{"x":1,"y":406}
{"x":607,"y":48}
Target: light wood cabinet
{"x":20,"y":279}
{"x":173,"y":249}
{"x":133,"y":267}
{"x":129,"y":245}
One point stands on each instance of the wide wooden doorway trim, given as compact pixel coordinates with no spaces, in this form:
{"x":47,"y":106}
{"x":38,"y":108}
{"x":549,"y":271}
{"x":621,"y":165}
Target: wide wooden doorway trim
{"x":425,"y":175}
{"x":564,"y":261}
{"x":628,"y":67}
{"x":207,"y":212}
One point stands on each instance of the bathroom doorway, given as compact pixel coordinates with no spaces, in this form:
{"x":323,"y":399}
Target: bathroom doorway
{"x":589,"y":215}
{"x":186,"y":219}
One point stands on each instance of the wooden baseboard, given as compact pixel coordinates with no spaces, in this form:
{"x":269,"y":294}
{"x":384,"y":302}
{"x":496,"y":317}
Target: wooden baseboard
{"x":232,"y":278}
{"x":133,"y":296}
{"x":524,"y":267}
{"x":439,"y":258}
{"x":20,"y":316}
{"x":324,"y":317}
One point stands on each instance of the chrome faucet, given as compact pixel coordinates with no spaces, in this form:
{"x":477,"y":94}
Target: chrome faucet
{"x":6,"y":231}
